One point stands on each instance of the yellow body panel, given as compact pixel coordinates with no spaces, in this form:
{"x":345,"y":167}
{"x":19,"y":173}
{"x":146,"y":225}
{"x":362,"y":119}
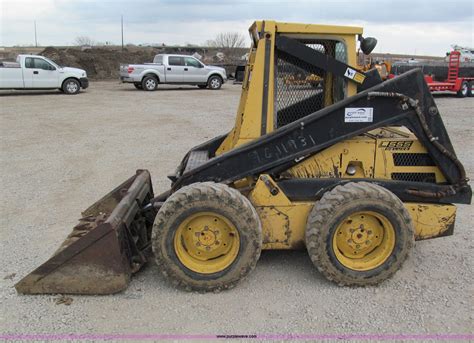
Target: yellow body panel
{"x":284,"y":221}
{"x":371,"y":155}
{"x":431,"y":220}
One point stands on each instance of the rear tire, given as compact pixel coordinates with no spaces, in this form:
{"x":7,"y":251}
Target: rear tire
{"x":206,"y":237}
{"x":464,"y":91}
{"x":138,"y":85}
{"x":71,"y":86}
{"x":150,"y":83}
{"x":202,"y":86}
{"x":214,"y":82}
{"x":470,"y":92}
{"x":359,"y":234}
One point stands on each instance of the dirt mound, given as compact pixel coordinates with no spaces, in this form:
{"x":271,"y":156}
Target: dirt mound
{"x":99,"y":63}
{"x":104,"y":62}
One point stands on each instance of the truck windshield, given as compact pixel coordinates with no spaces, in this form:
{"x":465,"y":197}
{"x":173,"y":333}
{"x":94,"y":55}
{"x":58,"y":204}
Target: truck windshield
{"x":54,"y":64}
{"x":158,"y":59}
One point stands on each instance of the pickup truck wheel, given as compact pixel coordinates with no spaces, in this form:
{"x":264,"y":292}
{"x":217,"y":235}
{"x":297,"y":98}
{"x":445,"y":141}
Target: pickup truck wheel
{"x":71,"y":86}
{"x":202,"y":86}
{"x":149,"y":83}
{"x":215,"y":82}
{"x":138,"y":85}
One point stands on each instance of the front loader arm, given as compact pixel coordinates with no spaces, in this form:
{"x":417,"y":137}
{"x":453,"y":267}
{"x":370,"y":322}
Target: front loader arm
{"x":404,"y":101}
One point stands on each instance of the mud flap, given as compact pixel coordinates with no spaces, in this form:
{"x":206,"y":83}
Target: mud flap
{"x":110,"y":243}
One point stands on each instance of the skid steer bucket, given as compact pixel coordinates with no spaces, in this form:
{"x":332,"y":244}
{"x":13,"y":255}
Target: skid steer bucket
{"x":111,"y":241}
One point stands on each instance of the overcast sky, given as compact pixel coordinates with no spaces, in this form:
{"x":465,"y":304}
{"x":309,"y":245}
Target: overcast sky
{"x":403,"y":26}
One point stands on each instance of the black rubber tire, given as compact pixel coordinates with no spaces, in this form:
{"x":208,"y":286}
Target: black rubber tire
{"x":150,"y":83}
{"x":202,"y":86}
{"x":138,"y":85}
{"x":71,"y":86}
{"x":214,"y":197}
{"x":214,"y":82}
{"x":470,"y":91}
{"x":464,"y":91}
{"x":337,"y":204}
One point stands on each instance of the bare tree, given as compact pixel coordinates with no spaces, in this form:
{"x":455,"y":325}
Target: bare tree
{"x":84,"y":41}
{"x":227,"y":40}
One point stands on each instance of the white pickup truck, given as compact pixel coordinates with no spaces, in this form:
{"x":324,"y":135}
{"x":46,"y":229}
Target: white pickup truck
{"x":39,"y":72}
{"x":173,"y":69}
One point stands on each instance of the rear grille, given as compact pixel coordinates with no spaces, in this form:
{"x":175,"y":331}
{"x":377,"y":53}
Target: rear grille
{"x":415,"y":177}
{"x":409,"y":159}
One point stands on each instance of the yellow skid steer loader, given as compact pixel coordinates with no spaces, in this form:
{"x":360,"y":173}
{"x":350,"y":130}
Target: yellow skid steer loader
{"x":353,"y":170}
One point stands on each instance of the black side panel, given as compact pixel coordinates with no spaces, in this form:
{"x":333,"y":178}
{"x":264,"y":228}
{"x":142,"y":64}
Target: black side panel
{"x":313,"y":189}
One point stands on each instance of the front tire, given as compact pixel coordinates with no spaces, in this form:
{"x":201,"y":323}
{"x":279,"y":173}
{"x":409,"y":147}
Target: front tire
{"x":150,"y":83}
{"x":359,"y":234}
{"x":464,"y":91}
{"x":470,"y":91}
{"x":206,"y":237}
{"x":214,"y":82}
{"x":71,"y":86}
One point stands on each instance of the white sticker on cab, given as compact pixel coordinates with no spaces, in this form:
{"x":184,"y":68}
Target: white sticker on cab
{"x":359,"y":115}
{"x":350,"y":73}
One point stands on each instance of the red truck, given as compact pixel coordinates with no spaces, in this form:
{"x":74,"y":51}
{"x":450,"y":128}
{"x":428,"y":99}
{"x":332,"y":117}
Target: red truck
{"x":462,"y":86}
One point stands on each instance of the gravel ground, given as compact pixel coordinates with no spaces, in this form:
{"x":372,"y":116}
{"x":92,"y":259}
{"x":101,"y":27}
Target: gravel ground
{"x":61,"y":153}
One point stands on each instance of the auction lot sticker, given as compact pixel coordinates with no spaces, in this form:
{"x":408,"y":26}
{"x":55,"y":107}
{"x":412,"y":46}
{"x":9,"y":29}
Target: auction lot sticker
{"x":359,"y":115}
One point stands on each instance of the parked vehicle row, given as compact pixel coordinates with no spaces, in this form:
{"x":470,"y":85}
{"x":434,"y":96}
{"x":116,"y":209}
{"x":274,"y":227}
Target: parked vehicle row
{"x":173,"y":69}
{"x":39,"y":72}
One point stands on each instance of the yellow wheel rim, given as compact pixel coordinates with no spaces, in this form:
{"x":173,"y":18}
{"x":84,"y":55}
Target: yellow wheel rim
{"x":206,"y":242}
{"x":364,"y":241}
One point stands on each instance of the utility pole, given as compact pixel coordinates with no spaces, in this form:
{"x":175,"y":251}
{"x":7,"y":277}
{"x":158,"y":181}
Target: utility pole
{"x":122,"y":30}
{"x":36,"y":40}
